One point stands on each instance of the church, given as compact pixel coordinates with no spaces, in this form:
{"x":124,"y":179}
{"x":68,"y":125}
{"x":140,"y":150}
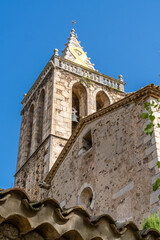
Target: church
{"x":82,"y":142}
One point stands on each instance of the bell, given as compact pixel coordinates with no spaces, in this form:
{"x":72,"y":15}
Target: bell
{"x":74,"y":116}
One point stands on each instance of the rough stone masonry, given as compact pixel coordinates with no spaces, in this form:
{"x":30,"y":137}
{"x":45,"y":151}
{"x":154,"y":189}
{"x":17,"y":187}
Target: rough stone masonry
{"x":105,"y":163}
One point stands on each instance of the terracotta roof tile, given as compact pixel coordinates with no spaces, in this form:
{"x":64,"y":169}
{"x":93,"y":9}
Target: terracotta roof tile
{"x":51,"y":222}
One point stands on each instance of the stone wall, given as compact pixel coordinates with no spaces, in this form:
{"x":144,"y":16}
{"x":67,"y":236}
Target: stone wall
{"x":62,"y":104}
{"x":154,"y":151}
{"x":49,"y":110}
{"x":47,"y":113}
{"x":116,"y":172}
{"x":34,"y":171}
{"x":36,"y":118}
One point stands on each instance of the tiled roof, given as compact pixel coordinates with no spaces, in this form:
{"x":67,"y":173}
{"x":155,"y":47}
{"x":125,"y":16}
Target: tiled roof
{"x":49,"y":221}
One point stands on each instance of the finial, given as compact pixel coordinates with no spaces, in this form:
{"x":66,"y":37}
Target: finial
{"x":73,"y":22}
{"x":55,"y":52}
{"x":25,"y":94}
{"x":120,"y":78}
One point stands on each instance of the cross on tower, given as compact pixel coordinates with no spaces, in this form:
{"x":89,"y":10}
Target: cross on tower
{"x":73,"y":22}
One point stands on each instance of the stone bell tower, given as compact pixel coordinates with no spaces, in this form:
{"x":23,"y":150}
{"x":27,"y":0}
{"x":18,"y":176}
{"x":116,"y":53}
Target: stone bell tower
{"x":68,"y":89}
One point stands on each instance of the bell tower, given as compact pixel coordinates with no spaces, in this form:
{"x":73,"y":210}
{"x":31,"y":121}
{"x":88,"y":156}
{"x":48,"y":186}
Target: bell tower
{"x":68,"y":89}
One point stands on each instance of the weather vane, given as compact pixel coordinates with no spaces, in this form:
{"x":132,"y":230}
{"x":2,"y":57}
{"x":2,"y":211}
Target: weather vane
{"x":73,"y":22}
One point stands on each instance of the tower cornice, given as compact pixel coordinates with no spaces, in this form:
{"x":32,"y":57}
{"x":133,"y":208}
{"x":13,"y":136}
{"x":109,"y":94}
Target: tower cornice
{"x":74,"y":68}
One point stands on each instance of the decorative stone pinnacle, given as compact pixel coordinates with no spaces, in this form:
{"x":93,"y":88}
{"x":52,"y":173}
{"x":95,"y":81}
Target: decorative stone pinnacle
{"x":74,"y":51}
{"x":72,"y":34}
{"x":55,"y":52}
{"x":25,"y":94}
{"x":120,"y":78}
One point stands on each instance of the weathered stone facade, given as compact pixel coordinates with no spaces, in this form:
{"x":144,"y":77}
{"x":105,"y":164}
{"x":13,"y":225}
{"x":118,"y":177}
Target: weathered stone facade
{"x":35,"y":119}
{"x":47,"y":113}
{"x":117,"y":172}
{"x":33,"y":171}
{"x":105,"y":163}
{"x":64,"y":85}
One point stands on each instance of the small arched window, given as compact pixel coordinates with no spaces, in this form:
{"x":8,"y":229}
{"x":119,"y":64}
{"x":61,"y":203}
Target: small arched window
{"x":79,"y":103}
{"x":86,"y":197}
{"x":102,"y":100}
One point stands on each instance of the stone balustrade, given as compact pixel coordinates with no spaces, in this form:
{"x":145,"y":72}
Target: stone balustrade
{"x":89,"y":73}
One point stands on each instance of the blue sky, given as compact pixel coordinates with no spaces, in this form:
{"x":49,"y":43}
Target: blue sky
{"x":120,"y":36}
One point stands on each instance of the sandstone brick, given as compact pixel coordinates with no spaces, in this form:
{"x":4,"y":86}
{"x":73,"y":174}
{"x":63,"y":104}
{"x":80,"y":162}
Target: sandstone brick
{"x":154,"y":178}
{"x":153,"y":163}
{"x":125,"y":189}
{"x":113,"y":166}
{"x":150,"y":149}
{"x":44,"y":133}
{"x":154,"y":197}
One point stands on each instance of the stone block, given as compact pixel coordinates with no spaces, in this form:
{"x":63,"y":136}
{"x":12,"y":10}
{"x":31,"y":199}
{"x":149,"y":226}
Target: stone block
{"x":125,"y":189}
{"x":154,"y":197}
{"x":153,"y":163}
{"x":157,"y":170}
{"x":154,"y":178}
{"x":150,"y":150}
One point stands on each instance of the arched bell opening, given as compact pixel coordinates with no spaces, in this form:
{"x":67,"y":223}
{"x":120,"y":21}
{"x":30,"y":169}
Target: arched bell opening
{"x":79,"y":103}
{"x":102,"y":100}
